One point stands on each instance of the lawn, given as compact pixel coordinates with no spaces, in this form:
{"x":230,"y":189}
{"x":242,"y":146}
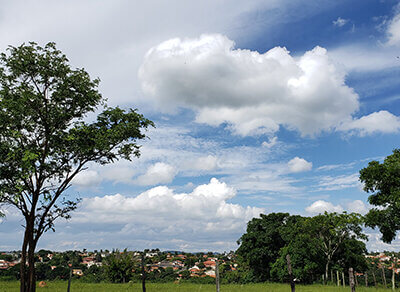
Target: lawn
{"x":106,"y":287}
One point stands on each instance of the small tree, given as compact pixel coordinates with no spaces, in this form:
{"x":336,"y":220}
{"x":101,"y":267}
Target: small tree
{"x":45,"y":141}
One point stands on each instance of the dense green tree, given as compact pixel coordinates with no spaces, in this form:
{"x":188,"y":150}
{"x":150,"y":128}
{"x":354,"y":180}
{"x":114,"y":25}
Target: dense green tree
{"x":382,"y":181}
{"x":260,"y":245}
{"x":45,"y":140}
{"x":306,"y":259}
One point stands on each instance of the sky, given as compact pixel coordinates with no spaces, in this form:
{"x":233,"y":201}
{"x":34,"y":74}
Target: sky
{"x":259,"y":106}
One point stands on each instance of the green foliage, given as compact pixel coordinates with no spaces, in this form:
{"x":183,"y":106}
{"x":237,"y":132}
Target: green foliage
{"x":119,"y":267}
{"x":260,"y":245}
{"x":46,"y":138}
{"x":382,"y":180}
{"x":313,"y":243}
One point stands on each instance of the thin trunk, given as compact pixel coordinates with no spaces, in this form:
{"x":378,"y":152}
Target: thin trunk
{"x":332,"y":276}
{"x":326,"y":272}
{"x":366,"y":278}
{"x":344,"y":280}
{"x":383,"y":277}
{"x":393,"y":278}
{"x":373,"y":275}
{"x":337,"y":278}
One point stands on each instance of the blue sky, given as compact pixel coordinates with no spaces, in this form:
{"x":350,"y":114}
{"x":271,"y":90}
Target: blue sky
{"x":259,"y":106}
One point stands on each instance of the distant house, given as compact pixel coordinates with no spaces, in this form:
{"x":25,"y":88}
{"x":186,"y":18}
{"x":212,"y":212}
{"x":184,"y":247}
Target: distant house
{"x":77,"y":272}
{"x":182,"y":256}
{"x":4,"y":264}
{"x":210,"y":273}
{"x":210,"y":264}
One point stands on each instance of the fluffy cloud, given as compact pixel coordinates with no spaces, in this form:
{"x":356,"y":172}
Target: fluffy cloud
{"x":156,"y":174}
{"x":321,"y":206}
{"x":377,"y":122}
{"x":252,"y":92}
{"x":160,"y":214}
{"x":298,"y":164}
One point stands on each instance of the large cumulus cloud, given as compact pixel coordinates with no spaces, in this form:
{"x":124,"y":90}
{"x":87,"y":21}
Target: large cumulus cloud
{"x":252,"y":92}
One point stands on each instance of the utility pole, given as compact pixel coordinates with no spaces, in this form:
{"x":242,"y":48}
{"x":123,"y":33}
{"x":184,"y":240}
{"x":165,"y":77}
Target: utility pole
{"x":143,"y":273}
{"x":289,"y":265}
{"x":351,"y":280}
{"x":217,"y":275}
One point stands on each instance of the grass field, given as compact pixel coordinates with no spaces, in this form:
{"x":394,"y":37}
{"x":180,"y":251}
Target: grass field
{"x":169,"y":287}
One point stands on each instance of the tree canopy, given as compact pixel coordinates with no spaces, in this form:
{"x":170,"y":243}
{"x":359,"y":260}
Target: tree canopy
{"x":315,"y":244}
{"x":382,"y":181}
{"x":46,"y":139}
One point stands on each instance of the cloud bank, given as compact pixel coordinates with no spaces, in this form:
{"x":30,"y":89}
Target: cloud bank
{"x":160,"y":214}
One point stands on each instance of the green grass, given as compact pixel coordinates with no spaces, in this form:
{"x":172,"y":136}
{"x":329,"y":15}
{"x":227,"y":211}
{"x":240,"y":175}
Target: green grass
{"x":169,"y":287}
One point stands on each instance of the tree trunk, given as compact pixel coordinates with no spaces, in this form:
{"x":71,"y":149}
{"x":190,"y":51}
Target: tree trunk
{"x":326,"y":272}
{"x":373,"y":275}
{"x":28,"y":277}
{"x":393,"y":278}
{"x":366,"y":278}
{"x":383,"y":277}
{"x":337,"y":278}
{"x":332,"y":276}
{"x":22,"y":270}
{"x":344,"y":280}
{"x":31,"y":271}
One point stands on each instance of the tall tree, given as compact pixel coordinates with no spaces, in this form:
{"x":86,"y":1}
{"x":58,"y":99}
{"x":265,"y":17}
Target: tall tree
{"x":45,"y":141}
{"x":382,"y":181}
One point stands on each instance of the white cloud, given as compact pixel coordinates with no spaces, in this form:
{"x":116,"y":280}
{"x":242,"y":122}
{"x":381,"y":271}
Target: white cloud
{"x":160,"y":214}
{"x":339,"y":22}
{"x":207,"y":163}
{"x":157,"y":173}
{"x":87,"y":178}
{"x":254,"y":93}
{"x":321,"y":206}
{"x":271,"y":142}
{"x":377,"y":122}
{"x":298,"y":164}
{"x":332,"y":183}
{"x":393,"y":29}
{"x":357,"y":206}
